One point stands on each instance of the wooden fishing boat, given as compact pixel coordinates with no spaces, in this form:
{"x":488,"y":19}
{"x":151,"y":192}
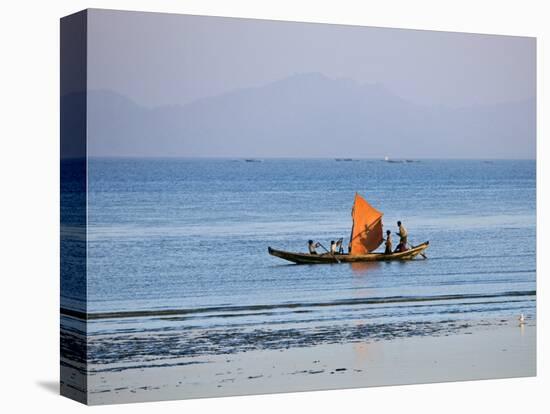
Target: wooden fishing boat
{"x":366,"y":237}
{"x":306,"y":258}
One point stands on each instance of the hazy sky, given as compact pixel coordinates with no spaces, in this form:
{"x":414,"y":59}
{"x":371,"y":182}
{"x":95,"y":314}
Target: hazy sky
{"x":158,"y":59}
{"x":176,"y":85}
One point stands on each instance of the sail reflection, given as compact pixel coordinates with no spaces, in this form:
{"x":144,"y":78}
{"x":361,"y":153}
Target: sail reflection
{"x":363,"y":268}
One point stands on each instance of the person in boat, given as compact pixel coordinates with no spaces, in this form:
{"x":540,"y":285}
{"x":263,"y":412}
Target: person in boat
{"x":333,"y":247}
{"x":402,"y":234}
{"x":400,"y":248}
{"x":311,"y":245}
{"x":339,"y":246}
{"x":388,"y":243}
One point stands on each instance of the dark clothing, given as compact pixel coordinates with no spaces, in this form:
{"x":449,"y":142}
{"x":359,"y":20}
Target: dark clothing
{"x":401,"y":247}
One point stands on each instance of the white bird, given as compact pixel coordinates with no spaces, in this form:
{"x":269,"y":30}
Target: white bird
{"x":521,"y":319}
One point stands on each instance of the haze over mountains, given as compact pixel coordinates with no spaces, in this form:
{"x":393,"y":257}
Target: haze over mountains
{"x":309,"y":115}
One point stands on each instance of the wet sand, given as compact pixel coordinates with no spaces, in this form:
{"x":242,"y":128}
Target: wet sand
{"x":482,"y":352}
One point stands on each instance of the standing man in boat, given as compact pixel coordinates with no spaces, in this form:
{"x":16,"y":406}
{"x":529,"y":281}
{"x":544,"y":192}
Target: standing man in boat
{"x":402,"y":236}
{"x":311,"y":245}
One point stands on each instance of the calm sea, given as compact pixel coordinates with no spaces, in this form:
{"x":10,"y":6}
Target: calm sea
{"x":183,"y":242}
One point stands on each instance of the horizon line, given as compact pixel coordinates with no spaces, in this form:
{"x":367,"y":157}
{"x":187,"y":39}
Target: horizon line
{"x":260,"y":158}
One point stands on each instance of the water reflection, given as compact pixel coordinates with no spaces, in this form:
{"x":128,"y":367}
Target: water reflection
{"x":363,"y":268}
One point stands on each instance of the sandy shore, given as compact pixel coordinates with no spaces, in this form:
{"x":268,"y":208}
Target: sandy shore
{"x":480,"y":353}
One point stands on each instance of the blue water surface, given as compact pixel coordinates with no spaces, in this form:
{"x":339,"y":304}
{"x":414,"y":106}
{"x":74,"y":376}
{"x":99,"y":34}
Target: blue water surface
{"x":193,"y":233}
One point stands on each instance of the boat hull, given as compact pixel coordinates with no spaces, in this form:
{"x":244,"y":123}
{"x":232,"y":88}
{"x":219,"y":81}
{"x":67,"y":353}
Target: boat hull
{"x":327,"y":258}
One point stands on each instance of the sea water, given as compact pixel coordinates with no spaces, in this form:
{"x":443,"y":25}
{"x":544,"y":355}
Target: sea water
{"x":177,"y":256}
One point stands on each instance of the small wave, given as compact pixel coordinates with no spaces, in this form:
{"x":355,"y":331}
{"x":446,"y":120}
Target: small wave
{"x":474,"y":257}
{"x":291,"y":305}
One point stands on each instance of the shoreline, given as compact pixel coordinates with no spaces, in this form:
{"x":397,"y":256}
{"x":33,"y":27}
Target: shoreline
{"x":496,"y":351}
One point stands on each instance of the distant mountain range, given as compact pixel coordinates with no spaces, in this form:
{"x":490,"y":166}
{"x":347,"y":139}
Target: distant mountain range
{"x":309,"y":115}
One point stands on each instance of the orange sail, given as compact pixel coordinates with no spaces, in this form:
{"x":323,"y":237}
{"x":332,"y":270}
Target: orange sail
{"x":366,"y":233}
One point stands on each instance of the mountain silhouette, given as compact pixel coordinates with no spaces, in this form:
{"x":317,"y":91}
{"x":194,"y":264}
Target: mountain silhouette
{"x":309,"y":115}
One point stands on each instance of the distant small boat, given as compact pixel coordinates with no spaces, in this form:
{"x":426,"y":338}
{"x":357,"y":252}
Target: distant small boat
{"x":252,"y":160}
{"x":366,"y":237}
{"x":343,"y":159}
{"x":387,"y":159}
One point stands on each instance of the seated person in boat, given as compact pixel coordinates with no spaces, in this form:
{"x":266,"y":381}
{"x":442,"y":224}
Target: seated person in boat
{"x":388,"y":243}
{"x":311,"y":245}
{"x":339,"y":246}
{"x":336,"y":246}
{"x":401,"y":247}
{"x":402,"y":234}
